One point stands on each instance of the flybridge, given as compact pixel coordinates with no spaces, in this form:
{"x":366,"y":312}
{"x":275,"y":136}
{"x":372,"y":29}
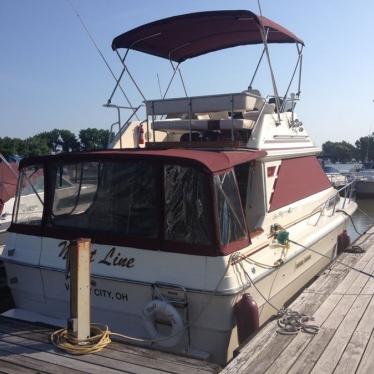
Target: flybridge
{"x":216,"y":120}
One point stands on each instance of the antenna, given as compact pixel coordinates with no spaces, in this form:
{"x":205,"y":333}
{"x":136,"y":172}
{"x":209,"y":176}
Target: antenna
{"x":159,"y":85}
{"x":99,"y":51}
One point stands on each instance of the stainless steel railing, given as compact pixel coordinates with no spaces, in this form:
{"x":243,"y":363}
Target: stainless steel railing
{"x":345,"y":192}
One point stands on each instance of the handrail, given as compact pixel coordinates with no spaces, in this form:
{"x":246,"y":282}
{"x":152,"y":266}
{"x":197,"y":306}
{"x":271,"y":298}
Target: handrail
{"x":261,"y":112}
{"x":348,"y":191}
{"x":123,"y":128}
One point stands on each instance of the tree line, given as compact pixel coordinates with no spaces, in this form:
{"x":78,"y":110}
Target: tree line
{"x":363,"y":150}
{"x":58,"y":140}
{"x":49,"y":142}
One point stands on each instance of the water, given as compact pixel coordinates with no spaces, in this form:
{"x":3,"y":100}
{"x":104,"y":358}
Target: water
{"x":363,"y":218}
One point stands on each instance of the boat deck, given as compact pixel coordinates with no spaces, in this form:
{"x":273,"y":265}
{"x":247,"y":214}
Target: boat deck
{"x":25,"y":348}
{"x":342,"y":303}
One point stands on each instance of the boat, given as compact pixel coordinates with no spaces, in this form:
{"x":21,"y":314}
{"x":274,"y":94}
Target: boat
{"x":365,"y":180}
{"x":337,"y":179}
{"x":8,"y":184}
{"x":206,"y":215}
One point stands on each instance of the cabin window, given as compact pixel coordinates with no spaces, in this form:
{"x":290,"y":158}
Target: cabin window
{"x":231,"y":221}
{"x":107,"y":196}
{"x":242,"y":178}
{"x":186,"y":205}
{"x":30,"y":196}
{"x":75,"y":188}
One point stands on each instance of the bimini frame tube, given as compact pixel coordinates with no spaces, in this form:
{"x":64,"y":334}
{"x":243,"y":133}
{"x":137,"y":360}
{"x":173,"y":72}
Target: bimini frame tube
{"x":125,"y":67}
{"x":180,"y":76}
{"x":256,"y":70}
{"x":130,"y":75}
{"x":170,"y":81}
{"x":300,"y":70}
{"x":293,"y":76}
{"x":276,"y":96}
{"x":264,"y":36}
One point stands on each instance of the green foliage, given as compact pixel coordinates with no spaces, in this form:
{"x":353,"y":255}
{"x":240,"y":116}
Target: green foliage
{"x":339,"y":151}
{"x":365,"y":148}
{"x":94,"y":138}
{"x":59,"y":140}
{"x":53,"y":141}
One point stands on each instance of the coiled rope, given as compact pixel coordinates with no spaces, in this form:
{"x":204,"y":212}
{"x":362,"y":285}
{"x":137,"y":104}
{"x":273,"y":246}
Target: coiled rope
{"x":289,"y":322}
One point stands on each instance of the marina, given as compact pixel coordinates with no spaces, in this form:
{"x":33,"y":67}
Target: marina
{"x":194,"y":212}
{"x":202,"y":232}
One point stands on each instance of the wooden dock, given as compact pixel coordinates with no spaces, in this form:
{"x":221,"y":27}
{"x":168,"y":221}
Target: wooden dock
{"x":25,"y":348}
{"x":342,"y":303}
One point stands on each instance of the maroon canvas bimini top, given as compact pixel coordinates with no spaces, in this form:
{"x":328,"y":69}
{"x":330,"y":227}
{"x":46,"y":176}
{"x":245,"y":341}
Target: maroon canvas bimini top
{"x":213,"y":161}
{"x":190,"y":35}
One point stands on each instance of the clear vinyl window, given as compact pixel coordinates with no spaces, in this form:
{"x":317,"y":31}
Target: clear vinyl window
{"x":116,"y":197}
{"x":231,"y":221}
{"x":30,"y":196}
{"x":186,"y":205}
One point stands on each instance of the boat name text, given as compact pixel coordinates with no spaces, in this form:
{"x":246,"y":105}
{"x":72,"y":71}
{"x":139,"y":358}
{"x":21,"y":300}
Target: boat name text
{"x":112,"y":258}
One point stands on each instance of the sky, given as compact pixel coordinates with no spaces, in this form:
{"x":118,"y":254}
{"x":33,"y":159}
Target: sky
{"x":51,"y":75}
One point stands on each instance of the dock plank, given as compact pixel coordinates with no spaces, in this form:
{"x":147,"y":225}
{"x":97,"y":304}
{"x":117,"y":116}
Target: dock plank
{"x":114,"y":356}
{"x":138,"y":352}
{"x":15,"y":368}
{"x":290,"y":354}
{"x":341,"y":301}
{"x":331,"y":355}
{"x":351,"y":357}
{"x":367,"y":363}
{"x":33,"y":349}
{"x":10,"y":354}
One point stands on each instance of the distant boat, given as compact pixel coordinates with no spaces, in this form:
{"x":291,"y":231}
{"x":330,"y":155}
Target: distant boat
{"x":337,"y":179}
{"x":365,"y":180}
{"x":8,"y":185}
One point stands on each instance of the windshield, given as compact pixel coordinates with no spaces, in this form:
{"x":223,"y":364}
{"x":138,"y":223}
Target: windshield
{"x":230,"y":214}
{"x":30,"y":196}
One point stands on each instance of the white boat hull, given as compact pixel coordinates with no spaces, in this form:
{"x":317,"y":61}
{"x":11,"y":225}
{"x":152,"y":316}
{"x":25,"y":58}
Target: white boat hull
{"x":39,"y":285}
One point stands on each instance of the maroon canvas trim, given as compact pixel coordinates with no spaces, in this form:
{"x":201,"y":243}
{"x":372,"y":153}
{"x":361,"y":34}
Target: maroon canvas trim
{"x":190,"y":35}
{"x":211,"y":161}
{"x":235,"y":246}
{"x":141,"y":243}
{"x":19,"y":228}
{"x":115,"y":240}
{"x":298,"y":178}
{"x":214,"y":213}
